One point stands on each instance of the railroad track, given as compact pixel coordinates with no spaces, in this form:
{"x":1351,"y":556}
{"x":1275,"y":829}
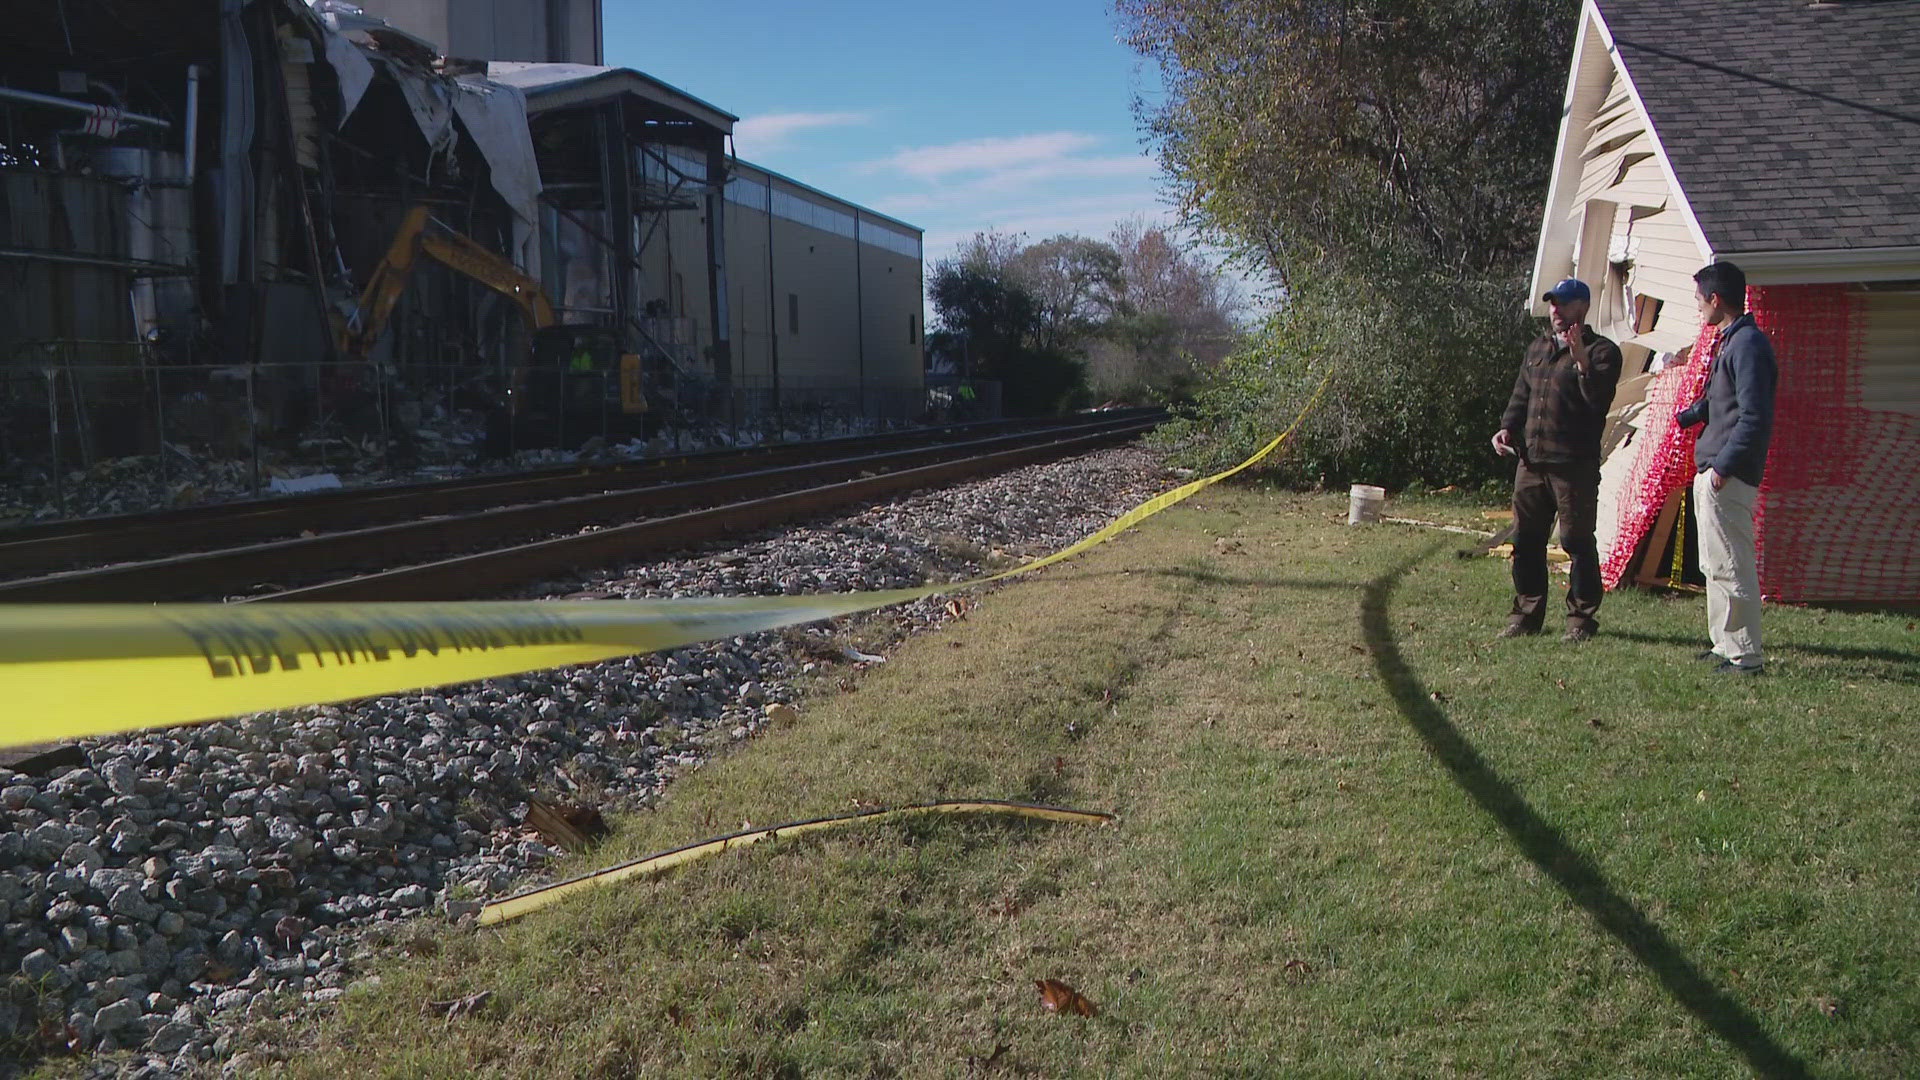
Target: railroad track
{"x":47,"y":548}
{"x":437,"y":553}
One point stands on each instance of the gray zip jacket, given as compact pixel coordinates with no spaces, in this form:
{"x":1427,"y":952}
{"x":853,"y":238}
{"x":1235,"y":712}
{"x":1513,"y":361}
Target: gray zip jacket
{"x":1738,"y":405}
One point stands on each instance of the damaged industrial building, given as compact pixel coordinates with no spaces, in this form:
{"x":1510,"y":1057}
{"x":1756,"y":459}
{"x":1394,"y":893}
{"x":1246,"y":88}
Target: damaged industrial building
{"x":254,"y":245}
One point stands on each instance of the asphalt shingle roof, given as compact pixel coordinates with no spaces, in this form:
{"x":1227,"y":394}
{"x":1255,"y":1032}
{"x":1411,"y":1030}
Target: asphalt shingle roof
{"x":1792,"y":126}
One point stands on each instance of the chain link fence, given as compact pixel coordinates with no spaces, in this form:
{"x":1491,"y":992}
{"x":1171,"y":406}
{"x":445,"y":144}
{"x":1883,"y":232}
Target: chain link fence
{"x":88,"y":429}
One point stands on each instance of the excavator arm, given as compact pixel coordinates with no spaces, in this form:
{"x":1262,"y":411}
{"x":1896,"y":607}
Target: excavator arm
{"x":418,"y":235}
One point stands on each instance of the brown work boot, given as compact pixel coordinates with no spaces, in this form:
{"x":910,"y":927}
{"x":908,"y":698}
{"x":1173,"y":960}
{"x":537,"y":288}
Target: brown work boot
{"x":1518,"y":629}
{"x":1577,"y":634}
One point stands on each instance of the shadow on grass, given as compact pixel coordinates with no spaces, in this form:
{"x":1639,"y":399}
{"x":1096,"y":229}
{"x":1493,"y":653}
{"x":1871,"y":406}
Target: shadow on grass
{"x":1568,"y":866}
{"x":1212,"y":577}
{"x":1902,"y":665}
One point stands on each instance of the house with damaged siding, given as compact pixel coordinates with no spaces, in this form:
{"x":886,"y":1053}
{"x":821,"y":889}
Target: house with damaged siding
{"x":1783,"y":136}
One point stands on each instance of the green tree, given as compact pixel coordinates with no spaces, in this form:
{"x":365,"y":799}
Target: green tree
{"x":1174,"y":317}
{"x":1138,"y":313}
{"x":1384,"y":162}
{"x":1074,"y":282}
{"x":978,"y":297}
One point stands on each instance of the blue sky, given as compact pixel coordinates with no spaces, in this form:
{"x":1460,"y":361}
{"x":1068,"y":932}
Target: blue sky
{"x":956,"y":117}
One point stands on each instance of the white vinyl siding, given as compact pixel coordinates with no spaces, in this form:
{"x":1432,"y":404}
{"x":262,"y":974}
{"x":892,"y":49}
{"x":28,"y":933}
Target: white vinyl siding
{"x":1890,"y":380}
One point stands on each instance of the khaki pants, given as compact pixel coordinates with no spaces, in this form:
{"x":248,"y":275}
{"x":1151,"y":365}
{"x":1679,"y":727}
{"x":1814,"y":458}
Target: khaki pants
{"x":1731,"y":565}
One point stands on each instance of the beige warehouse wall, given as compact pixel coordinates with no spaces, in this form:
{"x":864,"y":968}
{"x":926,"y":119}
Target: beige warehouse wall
{"x":747,"y":247}
{"x":812,"y":268}
{"x":893,"y":307}
{"x":814,"y":272}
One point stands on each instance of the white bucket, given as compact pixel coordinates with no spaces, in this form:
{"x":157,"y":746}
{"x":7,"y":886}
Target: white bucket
{"x":1364,"y":502}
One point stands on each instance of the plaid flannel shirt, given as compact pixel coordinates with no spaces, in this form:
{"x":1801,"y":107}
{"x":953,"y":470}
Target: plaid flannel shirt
{"x":1558,"y":413}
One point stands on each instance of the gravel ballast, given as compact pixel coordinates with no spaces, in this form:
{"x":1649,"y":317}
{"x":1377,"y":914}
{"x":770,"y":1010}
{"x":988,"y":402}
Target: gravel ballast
{"x":183,"y":880}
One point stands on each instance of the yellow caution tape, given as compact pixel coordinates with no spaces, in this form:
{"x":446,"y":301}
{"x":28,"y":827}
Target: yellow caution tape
{"x":534,"y":899}
{"x":71,"y":670}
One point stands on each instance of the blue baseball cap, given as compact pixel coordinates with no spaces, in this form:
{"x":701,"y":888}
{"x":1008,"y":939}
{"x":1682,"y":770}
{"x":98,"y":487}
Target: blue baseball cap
{"x":1570,"y":289}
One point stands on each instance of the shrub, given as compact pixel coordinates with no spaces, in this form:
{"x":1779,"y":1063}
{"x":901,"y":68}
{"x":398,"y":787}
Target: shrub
{"x":1420,"y":372}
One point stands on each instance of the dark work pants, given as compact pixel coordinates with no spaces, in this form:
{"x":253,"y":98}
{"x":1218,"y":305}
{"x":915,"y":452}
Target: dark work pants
{"x":1540,"y":492}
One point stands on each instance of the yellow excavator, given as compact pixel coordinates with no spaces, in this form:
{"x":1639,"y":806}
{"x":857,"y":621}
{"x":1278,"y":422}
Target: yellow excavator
{"x":562,"y":389}
{"x":420,"y":235}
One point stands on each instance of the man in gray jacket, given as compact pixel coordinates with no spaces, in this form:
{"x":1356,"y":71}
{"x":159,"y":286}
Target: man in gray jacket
{"x":1729,"y":459}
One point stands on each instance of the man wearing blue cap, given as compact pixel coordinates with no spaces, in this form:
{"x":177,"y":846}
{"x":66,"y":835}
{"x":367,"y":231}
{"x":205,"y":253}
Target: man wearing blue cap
{"x":1553,"y":425}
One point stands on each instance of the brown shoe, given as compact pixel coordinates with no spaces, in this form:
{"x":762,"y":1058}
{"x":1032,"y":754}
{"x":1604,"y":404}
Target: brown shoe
{"x":1577,"y":634}
{"x":1514,"y":629}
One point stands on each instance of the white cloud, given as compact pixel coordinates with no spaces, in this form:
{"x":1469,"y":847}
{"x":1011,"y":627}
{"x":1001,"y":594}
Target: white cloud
{"x":761,"y":133}
{"x":985,"y":155}
{"x":1093,"y":216}
{"x":1030,"y":180}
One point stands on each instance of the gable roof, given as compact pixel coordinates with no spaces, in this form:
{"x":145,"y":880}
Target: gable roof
{"x":565,"y":86}
{"x":1790,"y":126}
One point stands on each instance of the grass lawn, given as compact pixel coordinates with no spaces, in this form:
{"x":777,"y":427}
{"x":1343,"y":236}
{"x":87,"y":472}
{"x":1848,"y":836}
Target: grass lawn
{"x":1357,"y":837}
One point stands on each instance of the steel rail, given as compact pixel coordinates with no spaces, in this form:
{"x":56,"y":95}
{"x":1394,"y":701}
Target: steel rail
{"x":55,"y":546}
{"x":290,"y":562}
{"x":493,"y":572}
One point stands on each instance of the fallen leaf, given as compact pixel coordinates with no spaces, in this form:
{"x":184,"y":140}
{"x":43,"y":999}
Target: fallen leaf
{"x":1006,"y":907}
{"x":1596,"y":722}
{"x":1439,"y":697}
{"x":465,"y":1006}
{"x":1058,"y":997}
{"x":863,"y":806}
{"x":1296,"y":966}
{"x":1700,"y":796}
{"x":678,"y":1016}
{"x":1059,"y":767}
{"x":565,"y":824}
{"x":1827,"y":1005}
{"x":1561,"y":683}
{"x":956,"y":644}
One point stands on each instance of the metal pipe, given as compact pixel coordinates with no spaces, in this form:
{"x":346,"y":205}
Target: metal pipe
{"x":860,"y":312}
{"x":28,"y":97}
{"x":53,"y":438}
{"x":135,"y":265}
{"x":193,"y":120}
{"x":773,"y":326}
